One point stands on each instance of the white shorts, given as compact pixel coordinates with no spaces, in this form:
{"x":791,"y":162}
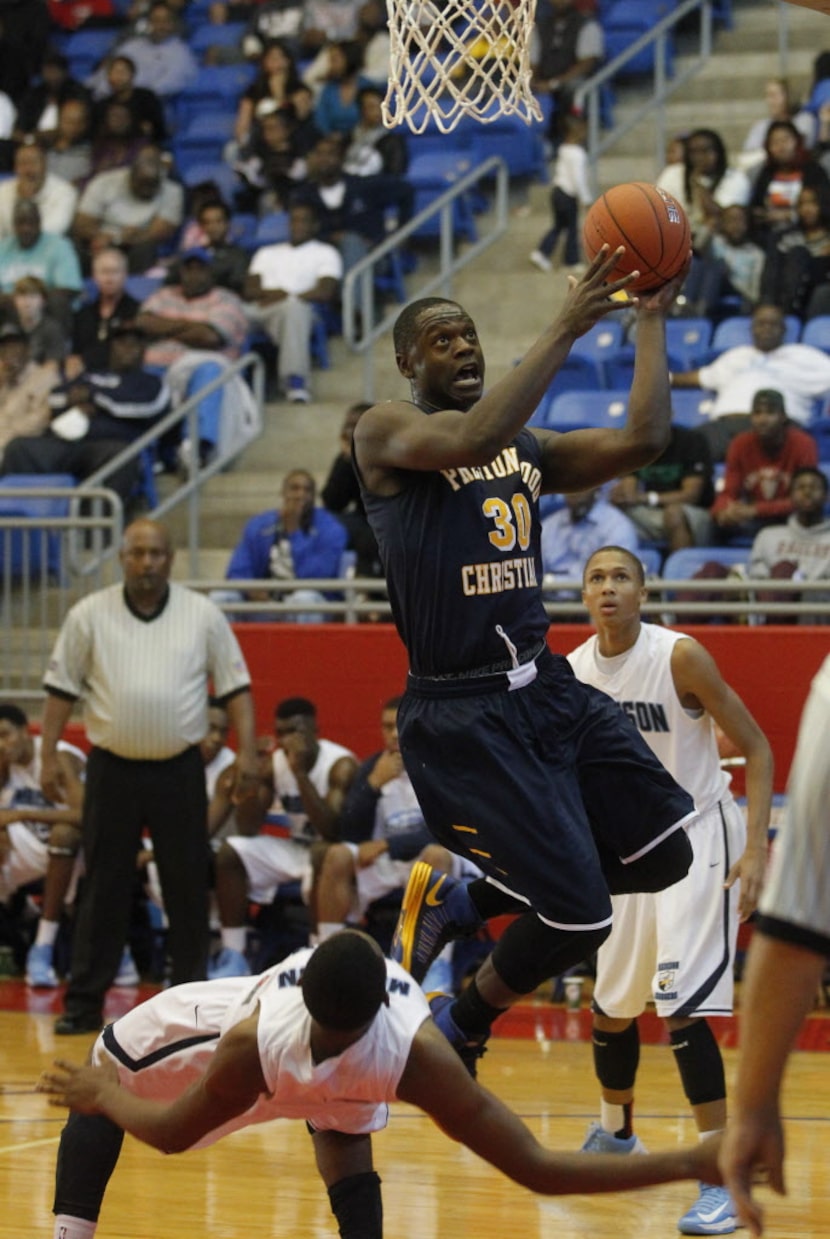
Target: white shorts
{"x":26,"y":860}
{"x":166,"y":1043}
{"x":271,"y":861}
{"x":676,"y":948}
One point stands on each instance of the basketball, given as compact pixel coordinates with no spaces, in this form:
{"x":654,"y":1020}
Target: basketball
{"x":652,"y":226}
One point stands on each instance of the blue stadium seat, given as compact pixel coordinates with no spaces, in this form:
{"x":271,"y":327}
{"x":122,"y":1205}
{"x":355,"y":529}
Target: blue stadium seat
{"x":816,"y":331}
{"x":819,"y":428}
{"x":30,"y":552}
{"x":519,"y":144}
{"x":737,"y":330}
{"x":85,"y":49}
{"x":143,"y":286}
{"x":217,"y":87}
{"x":432,"y":175}
{"x":688,"y":340}
{"x":650,"y":557}
{"x":272,"y":228}
{"x":203,"y":139}
{"x":581,"y":409}
{"x":575,"y":374}
{"x":220,"y":173}
{"x":603,"y":342}
{"x":243,"y":229}
{"x":626,"y":22}
{"x":206,"y":35}
{"x":690,"y":406}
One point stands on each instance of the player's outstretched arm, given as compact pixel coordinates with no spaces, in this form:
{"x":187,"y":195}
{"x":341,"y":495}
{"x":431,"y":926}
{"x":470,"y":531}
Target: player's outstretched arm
{"x":779,"y":989}
{"x":399,"y":436}
{"x":585,"y":458}
{"x":700,"y":685}
{"x":229,"y":1087}
{"x":436,"y":1081}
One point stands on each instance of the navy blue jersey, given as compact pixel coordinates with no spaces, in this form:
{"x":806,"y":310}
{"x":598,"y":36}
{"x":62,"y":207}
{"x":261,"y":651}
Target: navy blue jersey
{"x":460,"y":550}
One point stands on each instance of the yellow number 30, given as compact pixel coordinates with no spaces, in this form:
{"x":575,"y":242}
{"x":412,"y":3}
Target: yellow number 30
{"x":512,"y":526}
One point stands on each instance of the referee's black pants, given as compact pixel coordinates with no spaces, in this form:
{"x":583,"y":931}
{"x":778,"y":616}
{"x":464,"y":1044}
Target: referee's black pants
{"x":122,"y":798}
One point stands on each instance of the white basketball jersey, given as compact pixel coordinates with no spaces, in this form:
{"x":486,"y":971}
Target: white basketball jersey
{"x":22,"y":786}
{"x":286,"y":816}
{"x":346,"y":1093}
{"x":640,"y":680}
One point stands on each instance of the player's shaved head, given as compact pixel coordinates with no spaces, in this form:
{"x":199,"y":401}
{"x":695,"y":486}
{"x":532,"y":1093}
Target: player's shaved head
{"x":344,"y":982}
{"x":405,"y":331}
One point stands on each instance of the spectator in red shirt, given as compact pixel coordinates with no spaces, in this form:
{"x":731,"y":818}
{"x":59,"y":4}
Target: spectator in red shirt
{"x":759,"y":466}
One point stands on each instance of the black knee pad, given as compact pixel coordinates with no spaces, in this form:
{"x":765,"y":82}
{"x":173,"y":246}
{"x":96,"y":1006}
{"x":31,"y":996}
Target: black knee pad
{"x":88,"y":1153}
{"x":356,"y":1203}
{"x":699,"y":1062}
{"x":530,"y":952}
{"x":617,"y":1057}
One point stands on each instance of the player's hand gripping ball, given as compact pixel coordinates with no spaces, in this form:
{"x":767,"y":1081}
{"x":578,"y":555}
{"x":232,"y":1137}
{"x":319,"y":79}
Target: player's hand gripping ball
{"x":652,"y":226}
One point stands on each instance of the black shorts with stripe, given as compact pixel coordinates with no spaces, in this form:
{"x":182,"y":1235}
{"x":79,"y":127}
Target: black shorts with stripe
{"x":549,"y":788}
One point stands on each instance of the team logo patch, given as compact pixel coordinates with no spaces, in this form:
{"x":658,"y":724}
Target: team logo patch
{"x":666,"y":980}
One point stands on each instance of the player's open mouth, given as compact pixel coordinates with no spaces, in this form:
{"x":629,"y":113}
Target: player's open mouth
{"x":467,"y":375}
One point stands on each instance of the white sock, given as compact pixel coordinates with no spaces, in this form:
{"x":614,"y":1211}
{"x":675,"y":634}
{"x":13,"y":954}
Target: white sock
{"x":67,"y":1227}
{"x":611,"y":1117}
{"x":704,"y":1135}
{"x":326,"y":929}
{"x":47,"y":932}
{"x":234,"y":939}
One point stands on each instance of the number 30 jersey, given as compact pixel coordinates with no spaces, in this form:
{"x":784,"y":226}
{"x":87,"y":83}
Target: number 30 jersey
{"x":461,"y":553}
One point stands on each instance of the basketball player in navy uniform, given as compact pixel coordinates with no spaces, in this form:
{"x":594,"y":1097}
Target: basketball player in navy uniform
{"x":540,"y":781}
{"x":330,"y":1036}
{"x":674,"y":948}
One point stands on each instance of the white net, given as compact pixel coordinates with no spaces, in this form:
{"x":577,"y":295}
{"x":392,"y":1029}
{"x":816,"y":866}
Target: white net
{"x":457,"y":58}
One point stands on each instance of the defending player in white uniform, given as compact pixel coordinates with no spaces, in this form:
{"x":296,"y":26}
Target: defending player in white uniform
{"x":675,"y":948}
{"x":330,"y":1036}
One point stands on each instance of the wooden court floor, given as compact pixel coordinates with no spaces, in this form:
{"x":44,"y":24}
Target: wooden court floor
{"x":262,"y":1183}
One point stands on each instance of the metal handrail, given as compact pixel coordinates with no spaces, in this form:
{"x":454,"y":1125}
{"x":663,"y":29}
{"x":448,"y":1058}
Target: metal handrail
{"x":587,"y":95}
{"x":450,"y":262}
{"x":367,"y":596}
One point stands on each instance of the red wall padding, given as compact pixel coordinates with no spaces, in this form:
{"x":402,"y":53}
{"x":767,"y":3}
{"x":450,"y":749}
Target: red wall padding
{"x":350,"y":670}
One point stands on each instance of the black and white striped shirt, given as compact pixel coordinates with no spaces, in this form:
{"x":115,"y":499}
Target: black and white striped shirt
{"x":144,"y":682}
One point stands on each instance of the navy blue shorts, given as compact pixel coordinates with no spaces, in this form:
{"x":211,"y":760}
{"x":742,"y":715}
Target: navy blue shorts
{"x":546,"y":787}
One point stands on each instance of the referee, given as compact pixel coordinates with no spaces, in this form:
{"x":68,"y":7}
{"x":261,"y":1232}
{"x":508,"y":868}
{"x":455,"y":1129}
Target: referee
{"x":141,"y":656}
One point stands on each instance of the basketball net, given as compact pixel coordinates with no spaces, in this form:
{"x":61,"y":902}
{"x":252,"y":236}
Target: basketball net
{"x":455,"y":58}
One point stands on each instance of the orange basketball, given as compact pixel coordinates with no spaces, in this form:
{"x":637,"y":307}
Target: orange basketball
{"x":652,"y":226}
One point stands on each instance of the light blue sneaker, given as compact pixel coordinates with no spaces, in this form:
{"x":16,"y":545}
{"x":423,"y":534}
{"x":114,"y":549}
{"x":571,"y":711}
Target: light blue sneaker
{"x":713,"y":1213}
{"x":599,"y":1140}
{"x":40,"y":973}
{"x":227,"y":963}
{"x":127,"y":973}
{"x":438,"y":979}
